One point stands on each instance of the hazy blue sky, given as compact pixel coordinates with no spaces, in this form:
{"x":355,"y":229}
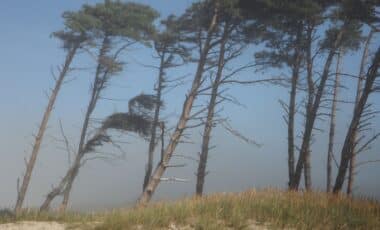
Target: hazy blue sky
{"x":27,"y":57}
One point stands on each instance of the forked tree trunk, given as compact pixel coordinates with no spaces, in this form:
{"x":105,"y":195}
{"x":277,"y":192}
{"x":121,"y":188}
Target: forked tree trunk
{"x":152,"y":141}
{"x":330,"y":150}
{"x":38,"y":139}
{"x":66,"y":183}
{"x":201,"y":173}
{"x":181,"y":125}
{"x":350,"y":140}
{"x":310,"y":119}
{"x":351,"y":171}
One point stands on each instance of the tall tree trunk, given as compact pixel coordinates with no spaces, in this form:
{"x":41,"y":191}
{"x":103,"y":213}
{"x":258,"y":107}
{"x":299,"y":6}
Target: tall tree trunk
{"x":351,"y":171}
{"x":349,"y":143}
{"x":330,"y":150}
{"x":66,"y":183}
{"x":201,"y":173}
{"x":38,"y":139}
{"x":291,"y":115}
{"x":310,"y":119}
{"x":152,"y":141}
{"x":310,"y":98}
{"x":307,"y":170}
{"x":292,"y":105}
{"x":97,"y":88}
{"x":186,"y":110}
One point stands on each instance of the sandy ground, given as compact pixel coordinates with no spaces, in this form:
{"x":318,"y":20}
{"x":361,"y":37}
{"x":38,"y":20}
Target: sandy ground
{"x":31,"y":225}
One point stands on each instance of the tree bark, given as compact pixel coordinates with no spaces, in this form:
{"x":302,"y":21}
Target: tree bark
{"x":66,"y":183}
{"x":201,"y":173}
{"x":152,"y":142}
{"x":351,"y":172}
{"x":310,"y":98}
{"x":330,"y":150}
{"x":292,"y":104}
{"x":97,"y":88}
{"x":181,"y":125}
{"x":310,"y":119}
{"x":291,"y":115}
{"x":38,"y":139}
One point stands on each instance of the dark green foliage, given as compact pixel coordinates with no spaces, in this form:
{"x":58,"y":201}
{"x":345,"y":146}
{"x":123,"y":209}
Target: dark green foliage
{"x":128,"y":122}
{"x":351,"y":40}
{"x":143,"y":105}
{"x":115,"y":18}
{"x":363,"y":10}
{"x":137,"y":120}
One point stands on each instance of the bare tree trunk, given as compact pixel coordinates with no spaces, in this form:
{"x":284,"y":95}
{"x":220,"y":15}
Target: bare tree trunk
{"x":185,"y":115}
{"x":66,"y":182}
{"x":351,"y":171}
{"x":38,"y":139}
{"x":307,"y":170}
{"x":97,"y":88}
{"x":310,"y":89}
{"x":310,"y":119}
{"x":350,"y":140}
{"x":330,"y":150}
{"x":201,"y":173}
{"x":152,"y":142}
{"x":291,"y":114}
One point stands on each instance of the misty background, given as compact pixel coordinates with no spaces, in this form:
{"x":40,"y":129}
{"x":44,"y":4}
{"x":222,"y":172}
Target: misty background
{"x":27,"y":57}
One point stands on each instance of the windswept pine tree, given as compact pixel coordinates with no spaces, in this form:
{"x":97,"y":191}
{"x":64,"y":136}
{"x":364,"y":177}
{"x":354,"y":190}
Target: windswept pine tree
{"x":171,"y":53}
{"x":364,"y":12}
{"x":115,"y":26}
{"x":73,"y":38}
{"x":203,"y":32}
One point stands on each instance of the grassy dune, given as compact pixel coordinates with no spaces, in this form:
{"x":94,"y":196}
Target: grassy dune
{"x":268,"y":208}
{"x":274,"y":209}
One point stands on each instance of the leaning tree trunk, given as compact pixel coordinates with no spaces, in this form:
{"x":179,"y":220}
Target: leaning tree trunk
{"x":181,"y":125}
{"x":66,"y":182}
{"x":310,"y":119}
{"x":201,"y":173}
{"x":351,"y":171}
{"x":152,"y":141}
{"x":38,"y":139}
{"x":97,"y":88}
{"x":350,"y":140}
{"x":330,"y":150}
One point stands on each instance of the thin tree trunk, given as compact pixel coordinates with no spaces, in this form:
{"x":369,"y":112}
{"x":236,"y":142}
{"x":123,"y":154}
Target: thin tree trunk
{"x":201,"y":173}
{"x":38,"y":139}
{"x":66,"y":182}
{"x":310,"y":89}
{"x":181,"y":125}
{"x":307,"y":170}
{"x":349,"y":143}
{"x":310,"y":119}
{"x":330,"y":150}
{"x":292,"y":108}
{"x":152,"y":142}
{"x":98,"y":86}
{"x":351,"y":171}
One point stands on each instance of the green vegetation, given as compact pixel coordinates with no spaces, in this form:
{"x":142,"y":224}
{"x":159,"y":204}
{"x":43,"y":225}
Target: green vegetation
{"x":270,"y":208}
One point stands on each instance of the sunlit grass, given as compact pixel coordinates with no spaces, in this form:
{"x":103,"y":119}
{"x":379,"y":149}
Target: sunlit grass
{"x":274,"y":209}
{"x":270,"y":208}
